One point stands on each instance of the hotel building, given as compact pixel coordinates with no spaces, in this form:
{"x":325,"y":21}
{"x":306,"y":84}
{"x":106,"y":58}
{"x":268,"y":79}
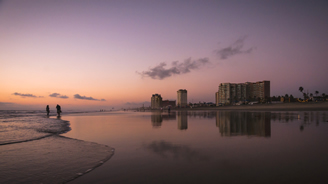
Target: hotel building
{"x":231,"y":92}
{"x":182,"y":98}
{"x":156,"y":101}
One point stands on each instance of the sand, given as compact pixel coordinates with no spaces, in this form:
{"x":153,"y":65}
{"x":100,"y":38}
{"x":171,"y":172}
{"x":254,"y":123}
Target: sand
{"x":54,"y":159}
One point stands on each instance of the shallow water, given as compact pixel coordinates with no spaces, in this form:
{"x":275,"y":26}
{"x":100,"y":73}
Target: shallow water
{"x":31,"y":150}
{"x":22,"y":126}
{"x":207,"y":147}
{"x":54,"y":159}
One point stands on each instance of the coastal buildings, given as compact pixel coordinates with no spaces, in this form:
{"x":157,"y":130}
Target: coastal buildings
{"x":166,"y":103}
{"x":259,"y":89}
{"x":182,"y":98}
{"x":156,"y":101}
{"x":231,"y":92}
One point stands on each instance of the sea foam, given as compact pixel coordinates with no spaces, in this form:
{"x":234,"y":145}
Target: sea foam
{"x":32,"y":151}
{"x":22,"y":126}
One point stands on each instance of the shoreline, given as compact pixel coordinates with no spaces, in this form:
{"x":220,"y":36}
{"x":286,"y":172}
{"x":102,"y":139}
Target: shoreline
{"x":69,"y":158}
{"x":293,"y":106}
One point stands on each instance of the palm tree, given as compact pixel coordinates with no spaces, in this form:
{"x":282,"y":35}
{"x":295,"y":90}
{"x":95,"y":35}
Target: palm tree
{"x":291,"y":97}
{"x":324,"y":96}
{"x":304,"y":95}
{"x":301,"y":89}
{"x":316,"y":93}
{"x":259,"y":100}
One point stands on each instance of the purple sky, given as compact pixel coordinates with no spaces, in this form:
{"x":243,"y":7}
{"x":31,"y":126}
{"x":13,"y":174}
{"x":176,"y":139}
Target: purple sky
{"x":119,"y":52}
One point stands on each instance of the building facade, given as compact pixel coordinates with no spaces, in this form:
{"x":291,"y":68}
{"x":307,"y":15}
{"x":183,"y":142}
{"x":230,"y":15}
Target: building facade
{"x":156,"y":101}
{"x":166,"y":103}
{"x":231,"y":92}
{"x":182,"y":98}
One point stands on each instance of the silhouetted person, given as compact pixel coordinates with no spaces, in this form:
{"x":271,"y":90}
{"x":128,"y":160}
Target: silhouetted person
{"x":58,"y":110}
{"x":48,"y":110}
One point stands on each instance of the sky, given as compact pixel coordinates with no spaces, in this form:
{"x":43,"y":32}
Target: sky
{"x":85,"y":54}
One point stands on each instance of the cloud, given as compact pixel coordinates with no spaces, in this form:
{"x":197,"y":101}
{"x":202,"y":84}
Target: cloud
{"x":77,"y":96}
{"x":26,"y":95}
{"x":177,"y":68}
{"x":234,"y":49}
{"x":57,"y":95}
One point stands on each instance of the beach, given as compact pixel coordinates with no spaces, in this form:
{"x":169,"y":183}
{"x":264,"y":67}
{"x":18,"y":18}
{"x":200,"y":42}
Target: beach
{"x":207,"y":146}
{"x":167,"y":147}
{"x":33,"y":151}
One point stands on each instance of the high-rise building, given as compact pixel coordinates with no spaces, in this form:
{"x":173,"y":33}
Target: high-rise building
{"x":217,"y":98}
{"x":230,"y":92}
{"x":182,"y":98}
{"x":156,"y":101}
{"x":224,"y":93}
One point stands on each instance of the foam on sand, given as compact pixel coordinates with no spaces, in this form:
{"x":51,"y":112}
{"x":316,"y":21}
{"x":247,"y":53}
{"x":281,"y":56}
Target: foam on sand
{"x":32,"y":151}
{"x":54,"y":159}
{"x":27,"y":128}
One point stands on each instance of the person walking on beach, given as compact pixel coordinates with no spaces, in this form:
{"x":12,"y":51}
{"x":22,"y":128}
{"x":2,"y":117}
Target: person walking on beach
{"x":58,"y":110}
{"x":48,"y":110}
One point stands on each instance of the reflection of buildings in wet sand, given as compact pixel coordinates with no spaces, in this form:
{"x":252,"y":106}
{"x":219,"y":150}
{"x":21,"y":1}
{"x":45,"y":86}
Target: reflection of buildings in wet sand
{"x":244,"y":123}
{"x":200,"y":114}
{"x":157,"y":118}
{"x":306,"y":117}
{"x":182,"y":120}
{"x":169,"y":116}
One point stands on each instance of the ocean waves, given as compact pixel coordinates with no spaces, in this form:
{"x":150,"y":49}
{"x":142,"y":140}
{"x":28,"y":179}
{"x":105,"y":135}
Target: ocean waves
{"x":21,"y":128}
{"x":32,"y":151}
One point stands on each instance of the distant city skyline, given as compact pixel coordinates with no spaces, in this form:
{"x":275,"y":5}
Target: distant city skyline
{"x":105,"y":54}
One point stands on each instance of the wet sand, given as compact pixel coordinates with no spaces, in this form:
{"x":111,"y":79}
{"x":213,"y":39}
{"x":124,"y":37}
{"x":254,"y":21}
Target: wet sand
{"x":54,"y":159}
{"x":32,"y":150}
{"x":193,"y":148}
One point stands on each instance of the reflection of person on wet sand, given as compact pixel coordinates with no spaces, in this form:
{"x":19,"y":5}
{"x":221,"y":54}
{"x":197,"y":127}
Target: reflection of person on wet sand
{"x":58,"y":109}
{"x":48,"y":110}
